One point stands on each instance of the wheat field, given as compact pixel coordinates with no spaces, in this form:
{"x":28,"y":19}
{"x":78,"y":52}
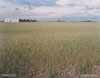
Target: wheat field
{"x":32,"y":50}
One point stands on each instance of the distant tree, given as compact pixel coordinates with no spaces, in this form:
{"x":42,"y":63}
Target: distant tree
{"x":27,"y":20}
{"x":59,"y":21}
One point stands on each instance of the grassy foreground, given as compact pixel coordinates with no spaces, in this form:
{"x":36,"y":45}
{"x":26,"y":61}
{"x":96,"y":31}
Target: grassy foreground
{"x":32,"y":49}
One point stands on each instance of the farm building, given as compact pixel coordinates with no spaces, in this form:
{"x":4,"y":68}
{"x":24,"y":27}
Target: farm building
{"x":11,"y":20}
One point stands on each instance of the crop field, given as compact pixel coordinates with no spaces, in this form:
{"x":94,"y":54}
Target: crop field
{"x":50,"y":49}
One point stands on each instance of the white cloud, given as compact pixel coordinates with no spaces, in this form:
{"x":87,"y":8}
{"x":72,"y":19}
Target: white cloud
{"x":66,"y":2}
{"x":89,"y":3}
{"x":55,"y":12}
{"x":92,"y":3}
{"x":63,"y":2}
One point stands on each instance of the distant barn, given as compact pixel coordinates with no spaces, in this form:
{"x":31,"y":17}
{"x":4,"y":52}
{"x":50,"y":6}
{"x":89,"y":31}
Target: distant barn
{"x":11,"y":20}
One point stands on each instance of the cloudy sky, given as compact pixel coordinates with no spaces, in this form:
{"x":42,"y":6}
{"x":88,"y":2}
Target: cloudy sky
{"x":45,"y":10}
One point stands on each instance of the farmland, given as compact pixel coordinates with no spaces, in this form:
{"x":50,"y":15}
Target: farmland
{"x":32,"y":49}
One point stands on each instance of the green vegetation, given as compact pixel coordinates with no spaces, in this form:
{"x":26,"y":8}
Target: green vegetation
{"x":48,"y":47}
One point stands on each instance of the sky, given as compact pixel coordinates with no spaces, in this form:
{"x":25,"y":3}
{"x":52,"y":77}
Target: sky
{"x":51,"y":10}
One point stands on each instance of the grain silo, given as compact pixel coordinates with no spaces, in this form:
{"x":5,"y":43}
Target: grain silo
{"x":11,"y":20}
